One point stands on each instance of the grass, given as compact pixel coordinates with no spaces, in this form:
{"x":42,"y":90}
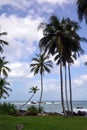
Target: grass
{"x":43,"y":123}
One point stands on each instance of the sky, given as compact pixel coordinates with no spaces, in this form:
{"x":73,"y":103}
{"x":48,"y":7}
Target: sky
{"x":20,"y":19}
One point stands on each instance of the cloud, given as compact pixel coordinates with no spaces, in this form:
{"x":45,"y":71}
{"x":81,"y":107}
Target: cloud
{"x":60,"y":2}
{"x":26,"y":3}
{"x":81,"y":60}
{"x":34,"y":7}
{"x":16,"y":3}
{"x":81,"y":81}
{"x":51,"y":84}
{"x":23,"y":39}
{"x":20,"y":70}
{"x":22,"y":33}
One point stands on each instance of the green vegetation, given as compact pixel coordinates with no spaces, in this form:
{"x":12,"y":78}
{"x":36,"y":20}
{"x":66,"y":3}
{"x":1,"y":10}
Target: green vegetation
{"x":32,"y":111}
{"x":3,"y":68}
{"x":2,"y":42}
{"x":61,"y":40}
{"x":3,"y":88}
{"x":82,"y":9}
{"x":3,"y":71}
{"x":41,"y":65}
{"x":32,"y":90}
{"x":43,"y":123}
{"x":7,"y":108}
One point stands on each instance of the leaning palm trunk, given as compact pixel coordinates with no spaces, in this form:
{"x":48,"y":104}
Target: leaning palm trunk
{"x":62,"y":97}
{"x":70,"y":89}
{"x":66,"y":89}
{"x":26,"y":101}
{"x":41,"y":91}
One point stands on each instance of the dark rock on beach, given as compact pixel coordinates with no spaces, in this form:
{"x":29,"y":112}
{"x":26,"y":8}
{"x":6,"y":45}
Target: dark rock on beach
{"x":21,"y":113}
{"x":81,"y":113}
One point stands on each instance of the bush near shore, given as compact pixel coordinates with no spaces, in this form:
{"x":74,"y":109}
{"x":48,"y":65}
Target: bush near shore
{"x":8,"y":108}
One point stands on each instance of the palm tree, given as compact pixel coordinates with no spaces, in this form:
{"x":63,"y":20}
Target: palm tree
{"x":40,"y":65}
{"x":64,"y":61}
{"x":32,"y":90}
{"x":82,"y":9}
{"x":52,"y":43}
{"x":3,"y":68}
{"x":61,"y":38}
{"x":3,"y":88}
{"x":2,"y":42}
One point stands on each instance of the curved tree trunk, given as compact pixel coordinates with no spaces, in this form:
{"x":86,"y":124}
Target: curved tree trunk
{"x":41,"y":91}
{"x":26,"y":101}
{"x":70,"y":89}
{"x":66,"y":89}
{"x":62,"y":97}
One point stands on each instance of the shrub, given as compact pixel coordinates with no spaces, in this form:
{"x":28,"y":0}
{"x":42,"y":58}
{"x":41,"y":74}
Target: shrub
{"x":40,"y":110}
{"x":7,"y":108}
{"x":32,"y":111}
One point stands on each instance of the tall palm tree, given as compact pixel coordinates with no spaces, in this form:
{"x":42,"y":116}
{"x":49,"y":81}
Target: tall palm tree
{"x":52,"y":43}
{"x":61,"y":37}
{"x":33,"y":90}
{"x":40,"y":65}
{"x":82,"y":9}
{"x":64,"y":61}
{"x":2,"y":42}
{"x":3,"y":88}
{"x":3,"y":68}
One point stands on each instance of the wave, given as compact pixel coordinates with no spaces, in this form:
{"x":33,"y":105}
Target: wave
{"x":80,"y":109}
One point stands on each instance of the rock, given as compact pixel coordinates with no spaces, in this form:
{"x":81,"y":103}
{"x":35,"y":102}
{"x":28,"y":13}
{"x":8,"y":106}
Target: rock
{"x":20,"y":113}
{"x":81,"y":113}
{"x":79,"y":107}
{"x":19,"y":127}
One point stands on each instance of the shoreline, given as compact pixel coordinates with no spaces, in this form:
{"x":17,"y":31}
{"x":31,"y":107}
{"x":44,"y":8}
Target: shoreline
{"x":25,"y":113}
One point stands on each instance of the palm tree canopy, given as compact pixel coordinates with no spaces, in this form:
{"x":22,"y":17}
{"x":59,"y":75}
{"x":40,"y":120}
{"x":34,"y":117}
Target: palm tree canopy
{"x":2,"y":42}
{"x":3,"y":88}
{"x":82,"y":9}
{"x":3,"y":68}
{"x":61,"y":37}
{"x":33,"y":89}
{"x":41,"y":64}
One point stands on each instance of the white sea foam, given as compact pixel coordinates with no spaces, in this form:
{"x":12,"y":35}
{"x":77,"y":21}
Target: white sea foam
{"x":29,"y":103}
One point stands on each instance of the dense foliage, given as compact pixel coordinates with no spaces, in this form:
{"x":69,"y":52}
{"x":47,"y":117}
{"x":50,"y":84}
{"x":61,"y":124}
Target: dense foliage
{"x":34,"y":110}
{"x":7,"y":108}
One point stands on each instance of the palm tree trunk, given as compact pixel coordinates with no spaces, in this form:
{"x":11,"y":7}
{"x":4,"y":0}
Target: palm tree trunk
{"x":26,"y":101}
{"x":41,"y":91}
{"x":66,"y":89}
{"x":62,"y":97}
{"x":70,"y":89}
{"x":0,"y":75}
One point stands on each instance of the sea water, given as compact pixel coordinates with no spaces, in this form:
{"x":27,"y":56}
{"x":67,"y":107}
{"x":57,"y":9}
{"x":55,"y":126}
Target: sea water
{"x":53,"y":106}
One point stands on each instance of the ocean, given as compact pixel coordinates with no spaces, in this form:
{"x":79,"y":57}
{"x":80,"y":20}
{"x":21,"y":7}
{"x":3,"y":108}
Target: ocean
{"x":53,"y":106}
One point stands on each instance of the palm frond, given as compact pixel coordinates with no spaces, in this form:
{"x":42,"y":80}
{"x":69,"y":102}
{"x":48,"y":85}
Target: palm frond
{"x":2,"y":42}
{"x":82,"y":9}
{"x":3,"y":33}
{"x":47,"y":69}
